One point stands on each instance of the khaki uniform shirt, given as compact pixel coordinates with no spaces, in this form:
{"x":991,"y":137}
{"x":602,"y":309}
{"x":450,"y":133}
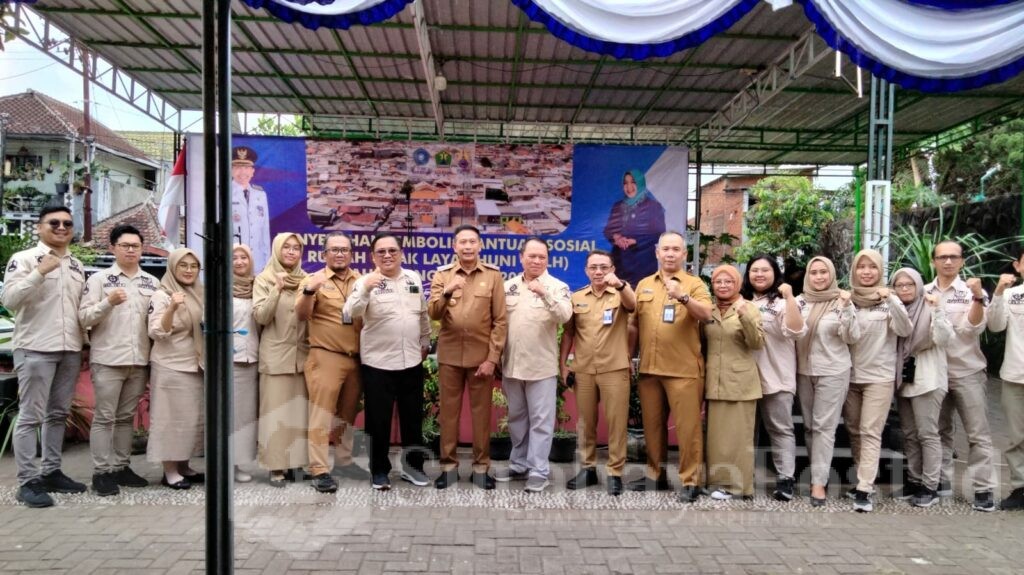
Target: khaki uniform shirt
{"x":1007,"y":312}
{"x":732,"y":370}
{"x":119,"y":334}
{"x":246,"y":346}
{"x":669,"y":348}
{"x":874,"y":354}
{"x":777,"y":359}
{"x":45,"y":308}
{"x":473,"y":319}
{"x":173,"y":349}
{"x":599,"y":346}
{"x":329,"y":327}
{"x":531,"y":353}
{"x":396,"y":328}
{"x":964,"y":350}
{"x":283,"y":343}
{"x":829,"y":351}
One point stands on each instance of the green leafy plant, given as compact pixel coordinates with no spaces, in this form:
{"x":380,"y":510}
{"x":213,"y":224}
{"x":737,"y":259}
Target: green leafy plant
{"x":562,"y":416}
{"x":500,"y":402}
{"x":787,"y":220}
{"x":431,"y":400}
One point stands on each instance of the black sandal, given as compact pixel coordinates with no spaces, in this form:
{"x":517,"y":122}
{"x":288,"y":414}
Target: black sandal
{"x":179,"y":485}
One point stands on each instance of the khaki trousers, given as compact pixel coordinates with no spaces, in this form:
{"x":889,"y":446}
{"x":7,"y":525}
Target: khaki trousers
{"x":821,"y":401}
{"x":865,"y":411}
{"x":777,"y":414}
{"x":117,"y":389}
{"x":968,"y":397}
{"x":454,"y":381}
{"x":919,"y":419}
{"x":683,"y":397}
{"x":730,"y":448}
{"x":1013,"y":407}
{"x":334,"y":387}
{"x":613,"y":388}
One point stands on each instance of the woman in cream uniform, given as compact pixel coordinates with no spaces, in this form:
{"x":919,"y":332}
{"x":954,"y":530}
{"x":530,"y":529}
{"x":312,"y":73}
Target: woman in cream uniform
{"x":176,"y":370}
{"x":283,"y":348}
{"x":246,"y":374}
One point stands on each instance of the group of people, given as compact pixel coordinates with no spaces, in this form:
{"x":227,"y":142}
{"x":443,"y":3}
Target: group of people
{"x":309,"y":348}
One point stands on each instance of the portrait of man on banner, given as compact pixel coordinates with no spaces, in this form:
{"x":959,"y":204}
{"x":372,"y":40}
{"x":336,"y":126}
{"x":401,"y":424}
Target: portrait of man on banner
{"x":250,"y":215}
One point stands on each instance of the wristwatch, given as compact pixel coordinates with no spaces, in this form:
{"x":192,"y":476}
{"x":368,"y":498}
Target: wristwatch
{"x":684,"y":299}
{"x":307,"y":291}
{"x":624,"y":285}
{"x":981,"y":300}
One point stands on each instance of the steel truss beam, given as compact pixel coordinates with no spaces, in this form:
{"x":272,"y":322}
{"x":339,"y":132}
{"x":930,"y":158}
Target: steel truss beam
{"x":419,"y":20}
{"x":801,"y":56}
{"x":38,"y":32}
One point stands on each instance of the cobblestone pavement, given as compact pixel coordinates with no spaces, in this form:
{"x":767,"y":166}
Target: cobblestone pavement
{"x":466,"y":530}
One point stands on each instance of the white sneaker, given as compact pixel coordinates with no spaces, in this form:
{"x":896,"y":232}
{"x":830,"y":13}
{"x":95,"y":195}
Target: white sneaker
{"x":536,"y":484}
{"x":721,"y":495}
{"x":241,"y":476}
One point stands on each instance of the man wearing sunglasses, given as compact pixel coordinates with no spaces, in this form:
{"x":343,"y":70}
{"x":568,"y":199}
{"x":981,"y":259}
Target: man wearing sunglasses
{"x":114,"y":308}
{"x":332,"y":367}
{"x":393,"y":345}
{"x":43,"y":288}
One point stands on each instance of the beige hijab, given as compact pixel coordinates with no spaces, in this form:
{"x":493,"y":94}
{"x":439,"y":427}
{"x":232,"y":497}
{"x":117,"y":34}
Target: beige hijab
{"x":819,"y":300}
{"x":193,"y":297}
{"x":866,"y":296}
{"x":920,"y":317}
{"x":726,"y":269}
{"x":242,"y":284}
{"x":274,"y":266}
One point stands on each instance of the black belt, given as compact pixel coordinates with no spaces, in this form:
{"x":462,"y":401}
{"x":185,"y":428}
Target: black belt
{"x":353,"y":355}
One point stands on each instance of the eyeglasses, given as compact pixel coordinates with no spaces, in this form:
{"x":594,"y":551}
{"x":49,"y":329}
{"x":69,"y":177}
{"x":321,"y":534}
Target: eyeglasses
{"x":386,"y":251}
{"x":724,"y":283}
{"x":57,"y":224}
{"x":948,"y":258}
{"x":598,"y":268}
{"x":338,"y":251}
{"x":188,"y":267}
{"x":287,"y":248}
{"x":130,"y":247}
{"x":904,"y":286}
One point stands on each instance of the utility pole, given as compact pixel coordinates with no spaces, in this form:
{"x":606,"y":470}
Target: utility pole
{"x":5,"y":118}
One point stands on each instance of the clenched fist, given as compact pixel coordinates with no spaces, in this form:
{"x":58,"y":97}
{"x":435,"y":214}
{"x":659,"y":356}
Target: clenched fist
{"x":883,"y":293}
{"x":372,"y":280}
{"x":1005,"y":281}
{"x":49,"y":263}
{"x":786,"y":290}
{"x":458,"y":282}
{"x":974,"y":284}
{"x":315,"y":281}
{"x":931,"y":299}
{"x":536,"y":287}
{"x":117,"y":297}
{"x":844,"y":297}
{"x":279,"y":280}
{"x":177,"y":299}
{"x":613,"y":281}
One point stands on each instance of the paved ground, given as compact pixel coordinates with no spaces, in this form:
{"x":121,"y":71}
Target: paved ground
{"x":465,"y":530}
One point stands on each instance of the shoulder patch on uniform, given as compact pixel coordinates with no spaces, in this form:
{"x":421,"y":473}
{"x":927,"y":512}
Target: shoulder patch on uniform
{"x":13,"y":266}
{"x":447,"y":267}
{"x":490,"y":266}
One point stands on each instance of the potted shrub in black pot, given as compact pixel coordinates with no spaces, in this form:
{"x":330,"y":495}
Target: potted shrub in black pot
{"x":431,"y":407}
{"x":563,"y":444}
{"x":501,"y":440}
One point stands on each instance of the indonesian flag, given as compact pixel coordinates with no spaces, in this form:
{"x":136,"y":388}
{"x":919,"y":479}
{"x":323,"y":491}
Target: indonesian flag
{"x":171,"y":202}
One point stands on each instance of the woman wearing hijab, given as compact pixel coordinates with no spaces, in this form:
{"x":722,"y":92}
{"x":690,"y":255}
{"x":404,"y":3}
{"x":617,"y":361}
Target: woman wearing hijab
{"x":882,"y":320}
{"x":823,"y":365}
{"x":732,"y":386}
{"x":246,"y":375}
{"x":283,"y":349}
{"x":634,"y":225}
{"x":783,"y":325}
{"x":176,"y":370}
{"x":921,"y":385}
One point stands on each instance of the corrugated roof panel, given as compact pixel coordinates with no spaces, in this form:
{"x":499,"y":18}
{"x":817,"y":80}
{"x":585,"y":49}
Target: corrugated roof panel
{"x":391,"y":91}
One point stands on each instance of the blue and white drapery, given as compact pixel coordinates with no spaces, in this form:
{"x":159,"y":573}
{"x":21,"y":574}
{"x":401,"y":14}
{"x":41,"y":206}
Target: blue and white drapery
{"x":928,"y":45}
{"x":342,"y":14}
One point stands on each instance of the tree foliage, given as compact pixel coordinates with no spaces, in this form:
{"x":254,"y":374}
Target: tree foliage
{"x":268,"y":125}
{"x":787,"y":220}
{"x":960,"y":166}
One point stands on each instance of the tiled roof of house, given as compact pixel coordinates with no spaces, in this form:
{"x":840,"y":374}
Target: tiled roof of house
{"x":143,"y":217}
{"x":32,"y":113}
{"x":156,"y":145}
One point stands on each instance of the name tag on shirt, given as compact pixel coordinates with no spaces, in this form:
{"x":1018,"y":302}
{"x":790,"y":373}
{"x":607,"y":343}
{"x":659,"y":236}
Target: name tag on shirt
{"x":346,"y":318}
{"x":606,"y":319}
{"x":668,"y":314}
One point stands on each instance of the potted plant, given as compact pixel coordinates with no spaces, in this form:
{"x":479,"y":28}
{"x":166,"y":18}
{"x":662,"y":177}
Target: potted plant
{"x":636,"y":447}
{"x":501,"y":440}
{"x":140,"y":437}
{"x":431,"y":406}
{"x":563,"y":444}
{"x":63,"y":182}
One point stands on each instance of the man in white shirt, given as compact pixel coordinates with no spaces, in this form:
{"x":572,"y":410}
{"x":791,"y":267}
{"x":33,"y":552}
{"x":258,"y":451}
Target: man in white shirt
{"x":392,"y":346}
{"x":964,"y":302}
{"x":1007,"y":313}
{"x":250,"y":216}
{"x":537,"y":304}
{"x":43,"y":288}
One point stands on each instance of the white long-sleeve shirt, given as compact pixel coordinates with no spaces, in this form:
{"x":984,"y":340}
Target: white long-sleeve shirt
{"x":963,"y":353}
{"x":777,"y":360}
{"x":874,"y":354}
{"x":1007,"y":313}
{"x":395,"y":324}
{"x":45,"y":307}
{"x":837,"y":330}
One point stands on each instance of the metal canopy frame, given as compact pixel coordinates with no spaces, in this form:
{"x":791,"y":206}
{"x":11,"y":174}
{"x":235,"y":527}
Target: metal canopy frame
{"x":763,"y":92}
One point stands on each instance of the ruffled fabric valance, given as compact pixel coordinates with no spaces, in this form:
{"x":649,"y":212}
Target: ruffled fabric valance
{"x":341,"y":14}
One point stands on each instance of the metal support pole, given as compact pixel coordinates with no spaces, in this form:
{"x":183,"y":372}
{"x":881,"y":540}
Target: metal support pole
{"x":89,"y":150}
{"x":695,"y":256}
{"x":4,"y":119}
{"x":880,"y":134}
{"x":218,"y":373}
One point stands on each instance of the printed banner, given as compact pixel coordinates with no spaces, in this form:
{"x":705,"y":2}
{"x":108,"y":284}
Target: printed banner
{"x":578,"y":198}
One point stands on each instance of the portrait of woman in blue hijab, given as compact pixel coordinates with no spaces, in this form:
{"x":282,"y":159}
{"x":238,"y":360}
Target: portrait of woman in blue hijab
{"x":634,"y":225}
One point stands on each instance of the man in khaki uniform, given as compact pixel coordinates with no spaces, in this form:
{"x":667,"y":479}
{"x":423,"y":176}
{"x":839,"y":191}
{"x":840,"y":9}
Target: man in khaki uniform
{"x":114,"y":308}
{"x":670,"y":305}
{"x":537,"y":304}
{"x":598,"y":336}
{"x":44,"y":289}
{"x":332,"y":367}
{"x":468,"y":297}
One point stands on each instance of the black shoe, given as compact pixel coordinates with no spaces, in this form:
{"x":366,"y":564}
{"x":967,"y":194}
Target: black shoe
{"x":446,"y":478}
{"x":585,"y":478}
{"x":324,"y":483}
{"x":57,"y":482}
{"x":910,"y":489}
{"x":125,"y":477}
{"x":180,"y":485}
{"x":482,"y":480}
{"x":945,"y":489}
{"x":381,"y":482}
{"x":1015,"y":501}
{"x":815,"y":502}
{"x":614,"y":485}
{"x":983,"y":501}
{"x":33,"y":494}
{"x":688,"y":494}
{"x":924,"y":497}
{"x":302,"y":475}
{"x":352,"y":471}
{"x":862,"y":501}
{"x":278,"y":479}
{"x":195,"y":478}
{"x":645,"y":484}
{"x":105,"y":484}
{"x":783,"y":489}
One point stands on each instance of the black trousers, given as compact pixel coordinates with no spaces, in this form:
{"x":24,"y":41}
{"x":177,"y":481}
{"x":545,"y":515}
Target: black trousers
{"x":382,"y":390}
